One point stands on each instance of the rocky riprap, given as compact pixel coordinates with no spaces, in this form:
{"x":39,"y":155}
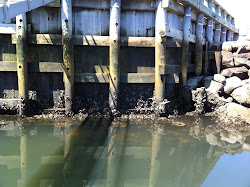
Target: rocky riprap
{"x":227,"y":93}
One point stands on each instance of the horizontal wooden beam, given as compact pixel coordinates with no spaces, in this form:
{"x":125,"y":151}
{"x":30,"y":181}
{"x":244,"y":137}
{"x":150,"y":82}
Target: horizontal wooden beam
{"x":170,"y":69}
{"x":90,"y":40}
{"x":201,"y":8}
{"x":42,"y":67}
{"x":7,"y":28}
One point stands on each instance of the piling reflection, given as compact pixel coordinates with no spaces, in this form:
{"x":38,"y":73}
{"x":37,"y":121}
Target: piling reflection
{"x":119,"y":153}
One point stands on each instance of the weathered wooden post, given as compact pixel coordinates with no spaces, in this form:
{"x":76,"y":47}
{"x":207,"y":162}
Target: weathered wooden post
{"x":22,"y":70}
{"x":160,"y":50}
{"x":217,"y":33}
{"x":114,"y":55}
{"x":185,"y":44}
{"x":199,"y":45}
{"x":24,"y":155}
{"x":223,"y":34}
{"x":68,"y":53}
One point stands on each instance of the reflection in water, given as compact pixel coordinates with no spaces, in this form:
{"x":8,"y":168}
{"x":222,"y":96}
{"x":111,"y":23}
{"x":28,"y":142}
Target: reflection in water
{"x":119,"y":153}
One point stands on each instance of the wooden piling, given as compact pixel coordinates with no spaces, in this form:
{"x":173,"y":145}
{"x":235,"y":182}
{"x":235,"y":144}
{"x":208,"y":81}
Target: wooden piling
{"x":209,"y":38}
{"x":23,"y":156}
{"x":199,"y":45}
{"x":160,"y":50}
{"x":217,"y":33}
{"x":114,"y":55}
{"x":68,"y":53}
{"x":22,"y":70}
{"x":185,"y":44}
{"x":223,"y":34}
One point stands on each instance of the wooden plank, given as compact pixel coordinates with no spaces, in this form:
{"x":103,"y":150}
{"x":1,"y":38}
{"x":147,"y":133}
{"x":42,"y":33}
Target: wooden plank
{"x":7,"y":28}
{"x":53,"y":67}
{"x":137,"y":78}
{"x":88,"y":40}
{"x":92,"y":77}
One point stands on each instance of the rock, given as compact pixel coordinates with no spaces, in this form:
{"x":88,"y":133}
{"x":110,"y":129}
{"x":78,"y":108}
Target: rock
{"x":207,"y":81}
{"x":215,"y":87}
{"x":243,"y":55}
{"x":219,"y":78}
{"x":215,"y":101}
{"x":231,"y":84}
{"x":241,"y":72}
{"x":194,"y":82}
{"x":234,"y":113}
{"x":242,"y":95}
{"x":227,"y":59}
{"x":241,"y":62}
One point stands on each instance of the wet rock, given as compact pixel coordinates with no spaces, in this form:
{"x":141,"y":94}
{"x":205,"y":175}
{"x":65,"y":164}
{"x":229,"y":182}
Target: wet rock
{"x":215,"y":101}
{"x":219,"y":78}
{"x":242,"y":94}
{"x":227,"y":59}
{"x":194,"y":82}
{"x":241,"y":72}
{"x":246,"y":147}
{"x":233,"y":113}
{"x":207,"y":81}
{"x":241,"y":62}
{"x":215,"y":87}
{"x":231,"y":84}
{"x":199,"y":97}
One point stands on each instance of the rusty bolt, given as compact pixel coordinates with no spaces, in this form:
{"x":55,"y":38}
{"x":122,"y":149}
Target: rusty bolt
{"x":114,"y":78}
{"x":114,"y":41}
{"x":20,"y":20}
{"x":19,"y":36}
{"x":19,"y":27}
{"x":68,"y":69}
{"x":66,"y":20}
{"x":116,"y":24}
{"x":20,"y":67}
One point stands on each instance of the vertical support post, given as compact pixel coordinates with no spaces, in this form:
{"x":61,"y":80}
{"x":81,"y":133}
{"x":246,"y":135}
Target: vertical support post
{"x":22,"y":70}
{"x":229,"y":35}
{"x":185,"y":44}
{"x":210,"y":4}
{"x":114,"y":55}
{"x":199,"y":45}
{"x":209,"y":37}
{"x":223,"y":34}
{"x":160,"y":50}
{"x":68,"y":54}
{"x":217,"y":33}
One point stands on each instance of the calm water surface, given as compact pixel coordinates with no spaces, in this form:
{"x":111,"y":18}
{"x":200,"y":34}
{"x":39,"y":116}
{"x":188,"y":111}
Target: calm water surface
{"x":98,"y":152}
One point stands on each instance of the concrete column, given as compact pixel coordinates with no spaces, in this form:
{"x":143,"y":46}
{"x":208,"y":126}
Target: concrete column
{"x":223,"y":34}
{"x":114,"y":54}
{"x":185,"y":44}
{"x":22,"y":69}
{"x":198,"y":44}
{"x":223,"y":14}
{"x":68,"y":54}
{"x":217,"y":33}
{"x":160,"y":50}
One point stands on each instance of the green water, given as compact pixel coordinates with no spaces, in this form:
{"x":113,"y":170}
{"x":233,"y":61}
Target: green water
{"x":46,"y":153}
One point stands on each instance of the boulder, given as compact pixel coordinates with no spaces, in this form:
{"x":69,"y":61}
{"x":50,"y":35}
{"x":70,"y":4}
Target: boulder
{"x":207,"y":81}
{"x":243,"y":55}
{"x":194,"y":82}
{"x":215,"y":87}
{"x":234,"y":113}
{"x":231,"y":84}
{"x":242,"y":94}
{"x":241,"y":72}
{"x":241,"y":62}
{"x":215,"y":101}
{"x":219,"y":78}
{"x":227,"y":59}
